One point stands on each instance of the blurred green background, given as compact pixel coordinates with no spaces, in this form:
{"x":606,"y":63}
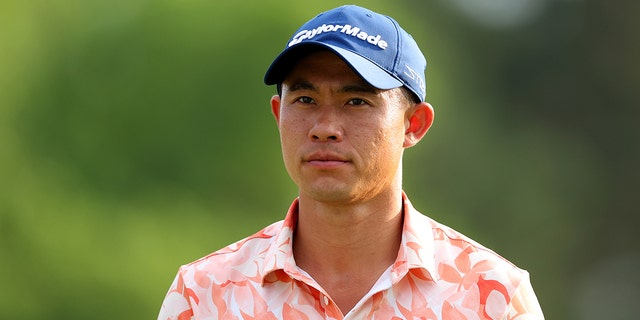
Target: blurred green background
{"x":136,"y":136}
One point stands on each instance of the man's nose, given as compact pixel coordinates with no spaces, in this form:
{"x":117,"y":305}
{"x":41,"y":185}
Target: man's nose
{"x":327,"y":127}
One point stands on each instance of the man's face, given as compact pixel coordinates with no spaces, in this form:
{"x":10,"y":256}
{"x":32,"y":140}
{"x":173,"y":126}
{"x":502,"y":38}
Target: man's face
{"x":342,"y":139}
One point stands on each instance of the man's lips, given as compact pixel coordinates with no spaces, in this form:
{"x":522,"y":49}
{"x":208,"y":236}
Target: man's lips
{"x":325,"y":159}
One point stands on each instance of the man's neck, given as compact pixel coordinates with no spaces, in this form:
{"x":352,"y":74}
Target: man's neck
{"x":346,"y":248}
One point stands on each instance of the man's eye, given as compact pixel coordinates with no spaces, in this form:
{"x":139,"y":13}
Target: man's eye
{"x":357,"y":102}
{"x":305,"y":100}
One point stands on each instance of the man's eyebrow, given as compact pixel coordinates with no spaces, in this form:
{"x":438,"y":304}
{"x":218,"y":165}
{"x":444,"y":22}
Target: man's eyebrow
{"x":351,"y":88}
{"x":301,"y":85}
{"x":360,"y":88}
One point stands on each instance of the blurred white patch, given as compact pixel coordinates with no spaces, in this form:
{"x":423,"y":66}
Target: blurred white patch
{"x":496,"y":304}
{"x":500,"y":13}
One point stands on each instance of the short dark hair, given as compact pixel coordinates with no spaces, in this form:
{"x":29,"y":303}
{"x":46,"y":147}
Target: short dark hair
{"x":410,"y":96}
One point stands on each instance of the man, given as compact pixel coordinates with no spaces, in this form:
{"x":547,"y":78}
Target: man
{"x":351,"y":98}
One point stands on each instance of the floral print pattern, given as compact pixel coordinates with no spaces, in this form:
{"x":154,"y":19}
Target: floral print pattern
{"x":438,"y":274}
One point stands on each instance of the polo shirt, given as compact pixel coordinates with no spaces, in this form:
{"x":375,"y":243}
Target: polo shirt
{"x":438,"y":274}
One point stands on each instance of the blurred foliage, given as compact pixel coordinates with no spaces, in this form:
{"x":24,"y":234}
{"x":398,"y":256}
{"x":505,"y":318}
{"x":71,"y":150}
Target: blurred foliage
{"x":136,"y":136}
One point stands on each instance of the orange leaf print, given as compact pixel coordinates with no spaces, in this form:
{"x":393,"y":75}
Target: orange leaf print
{"x":260,"y":307}
{"x":218,"y":301}
{"x":202,"y":279}
{"x":186,"y":315}
{"x":463,"y":263}
{"x":380,"y":308}
{"x":450,"y":312}
{"x":449,"y":273}
{"x":416,"y":247}
{"x":439,"y":235}
{"x":266,"y":316}
{"x":483,"y":265}
{"x":488,"y":286}
{"x":418,"y":300}
{"x":405,"y":311}
{"x":189,"y":293}
{"x":290,"y":313}
{"x":460,"y":243}
{"x":475,"y":273}
{"x":420,"y":274}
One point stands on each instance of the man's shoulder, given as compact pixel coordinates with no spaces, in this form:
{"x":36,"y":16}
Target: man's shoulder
{"x":239,"y":255}
{"x":454,"y":249}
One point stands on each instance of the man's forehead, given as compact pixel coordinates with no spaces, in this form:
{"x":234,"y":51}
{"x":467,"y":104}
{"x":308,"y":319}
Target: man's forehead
{"x":297,"y":84}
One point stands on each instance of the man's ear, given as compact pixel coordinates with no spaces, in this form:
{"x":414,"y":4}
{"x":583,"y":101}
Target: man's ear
{"x":275,"y":107}
{"x":419,"y":121}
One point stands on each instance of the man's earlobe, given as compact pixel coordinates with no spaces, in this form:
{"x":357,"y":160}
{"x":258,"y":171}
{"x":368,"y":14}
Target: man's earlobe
{"x":420,"y":121}
{"x":275,"y":107}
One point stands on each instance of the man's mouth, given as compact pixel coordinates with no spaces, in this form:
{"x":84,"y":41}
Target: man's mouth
{"x":326,"y":159}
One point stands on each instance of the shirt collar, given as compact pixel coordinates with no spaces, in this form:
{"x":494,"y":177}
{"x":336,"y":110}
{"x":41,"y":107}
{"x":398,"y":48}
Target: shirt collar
{"x":279,"y":255}
{"x":416,"y":249}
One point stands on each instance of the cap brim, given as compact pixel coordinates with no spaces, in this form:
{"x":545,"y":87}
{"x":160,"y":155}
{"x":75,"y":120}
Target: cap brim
{"x":367,"y":70}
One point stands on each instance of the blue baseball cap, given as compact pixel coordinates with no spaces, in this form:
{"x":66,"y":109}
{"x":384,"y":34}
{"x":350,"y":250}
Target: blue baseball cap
{"x":372,"y":44}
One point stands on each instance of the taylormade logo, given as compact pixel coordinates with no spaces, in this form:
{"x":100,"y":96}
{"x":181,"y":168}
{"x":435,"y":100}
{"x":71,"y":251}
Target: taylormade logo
{"x":346,"y":29}
{"x":411,"y":74}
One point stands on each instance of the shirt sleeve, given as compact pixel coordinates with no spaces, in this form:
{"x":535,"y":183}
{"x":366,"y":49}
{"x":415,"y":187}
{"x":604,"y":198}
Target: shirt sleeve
{"x":524,"y":303}
{"x":176,"y":304}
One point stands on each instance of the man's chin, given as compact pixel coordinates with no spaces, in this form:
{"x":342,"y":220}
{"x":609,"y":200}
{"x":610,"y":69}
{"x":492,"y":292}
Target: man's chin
{"x":333,"y":194}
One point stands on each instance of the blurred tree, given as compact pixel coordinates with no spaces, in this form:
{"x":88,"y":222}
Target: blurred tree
{"x":136,"y":136}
